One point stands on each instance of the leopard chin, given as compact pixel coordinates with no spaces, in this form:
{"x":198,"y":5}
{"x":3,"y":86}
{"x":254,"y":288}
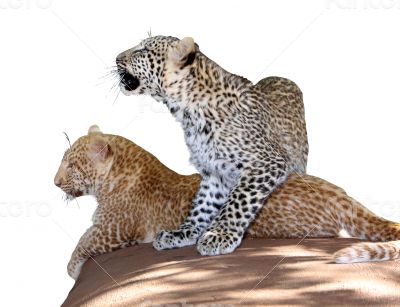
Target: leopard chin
{"x":71,"y":195}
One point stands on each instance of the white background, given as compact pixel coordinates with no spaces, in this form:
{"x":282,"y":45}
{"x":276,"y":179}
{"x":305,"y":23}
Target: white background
{"x":343,"y":54}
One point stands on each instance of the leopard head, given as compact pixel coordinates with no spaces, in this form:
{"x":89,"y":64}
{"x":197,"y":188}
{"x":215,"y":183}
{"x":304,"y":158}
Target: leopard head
{"x":85,"y":165}
{"x":155,"y":64}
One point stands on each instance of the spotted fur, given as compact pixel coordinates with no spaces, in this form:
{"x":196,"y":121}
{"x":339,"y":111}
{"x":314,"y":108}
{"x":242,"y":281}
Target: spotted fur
{"x":138,"y":196}
{"x":244,"y":139}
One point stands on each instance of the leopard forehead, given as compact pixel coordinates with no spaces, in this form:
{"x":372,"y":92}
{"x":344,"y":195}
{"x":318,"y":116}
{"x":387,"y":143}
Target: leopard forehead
{"x":147,"y":54}
{"x":156,"y":42}
{"x":75,"y":173}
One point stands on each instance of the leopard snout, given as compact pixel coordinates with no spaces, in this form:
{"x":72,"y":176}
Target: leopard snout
{"x":58,"y":181}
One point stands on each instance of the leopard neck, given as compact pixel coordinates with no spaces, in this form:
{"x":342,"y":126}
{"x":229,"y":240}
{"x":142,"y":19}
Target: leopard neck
{"x":123,"y":171}
{"x":204,"y":85}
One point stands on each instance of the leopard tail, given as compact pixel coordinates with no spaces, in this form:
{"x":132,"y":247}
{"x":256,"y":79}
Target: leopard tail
{"x":364,"y":224}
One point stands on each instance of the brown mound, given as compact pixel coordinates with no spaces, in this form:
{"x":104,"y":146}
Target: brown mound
{"x":260,"y":273}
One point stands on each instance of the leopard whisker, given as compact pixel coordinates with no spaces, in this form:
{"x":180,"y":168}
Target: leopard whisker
{"x":111,"y":74}
{"x":77,"y":203}
{"x":117,"y":82}
{"x":117,"y":95}
{"x":115,"y":87}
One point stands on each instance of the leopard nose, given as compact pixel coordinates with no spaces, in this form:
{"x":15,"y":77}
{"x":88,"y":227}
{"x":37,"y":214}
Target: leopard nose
{"x":121,"y":59}
{"x":124,"y":57}
{"x":58,"y":182}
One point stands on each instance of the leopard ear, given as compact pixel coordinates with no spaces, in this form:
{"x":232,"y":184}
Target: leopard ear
{"x":99,"y":148}
{"x":94,"y":129}
{"x":184,"y":53}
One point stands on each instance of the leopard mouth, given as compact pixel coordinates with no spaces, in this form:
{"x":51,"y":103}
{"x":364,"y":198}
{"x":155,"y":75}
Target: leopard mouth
{"x":128,"y":82}
{"x":70,"y":195}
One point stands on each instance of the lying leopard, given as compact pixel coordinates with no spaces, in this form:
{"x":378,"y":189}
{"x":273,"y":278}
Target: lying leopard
{"x":243,"y":143}
{"x":138,"y":196}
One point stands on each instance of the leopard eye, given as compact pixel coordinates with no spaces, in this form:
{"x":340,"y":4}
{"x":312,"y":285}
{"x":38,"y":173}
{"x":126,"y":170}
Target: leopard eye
{"x":140,"y":50}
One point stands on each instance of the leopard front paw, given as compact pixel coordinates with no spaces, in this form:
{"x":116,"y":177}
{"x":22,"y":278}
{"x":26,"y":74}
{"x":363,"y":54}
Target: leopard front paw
{"x":218,"y":242}
{"x":174,"y":239}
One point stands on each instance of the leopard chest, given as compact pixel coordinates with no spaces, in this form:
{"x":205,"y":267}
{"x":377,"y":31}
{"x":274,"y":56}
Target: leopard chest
{"x":200,"y":137}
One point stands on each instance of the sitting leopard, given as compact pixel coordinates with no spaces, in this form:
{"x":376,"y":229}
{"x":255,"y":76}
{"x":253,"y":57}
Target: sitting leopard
{"x":138,"y":196}
{"x":243,"y":143}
